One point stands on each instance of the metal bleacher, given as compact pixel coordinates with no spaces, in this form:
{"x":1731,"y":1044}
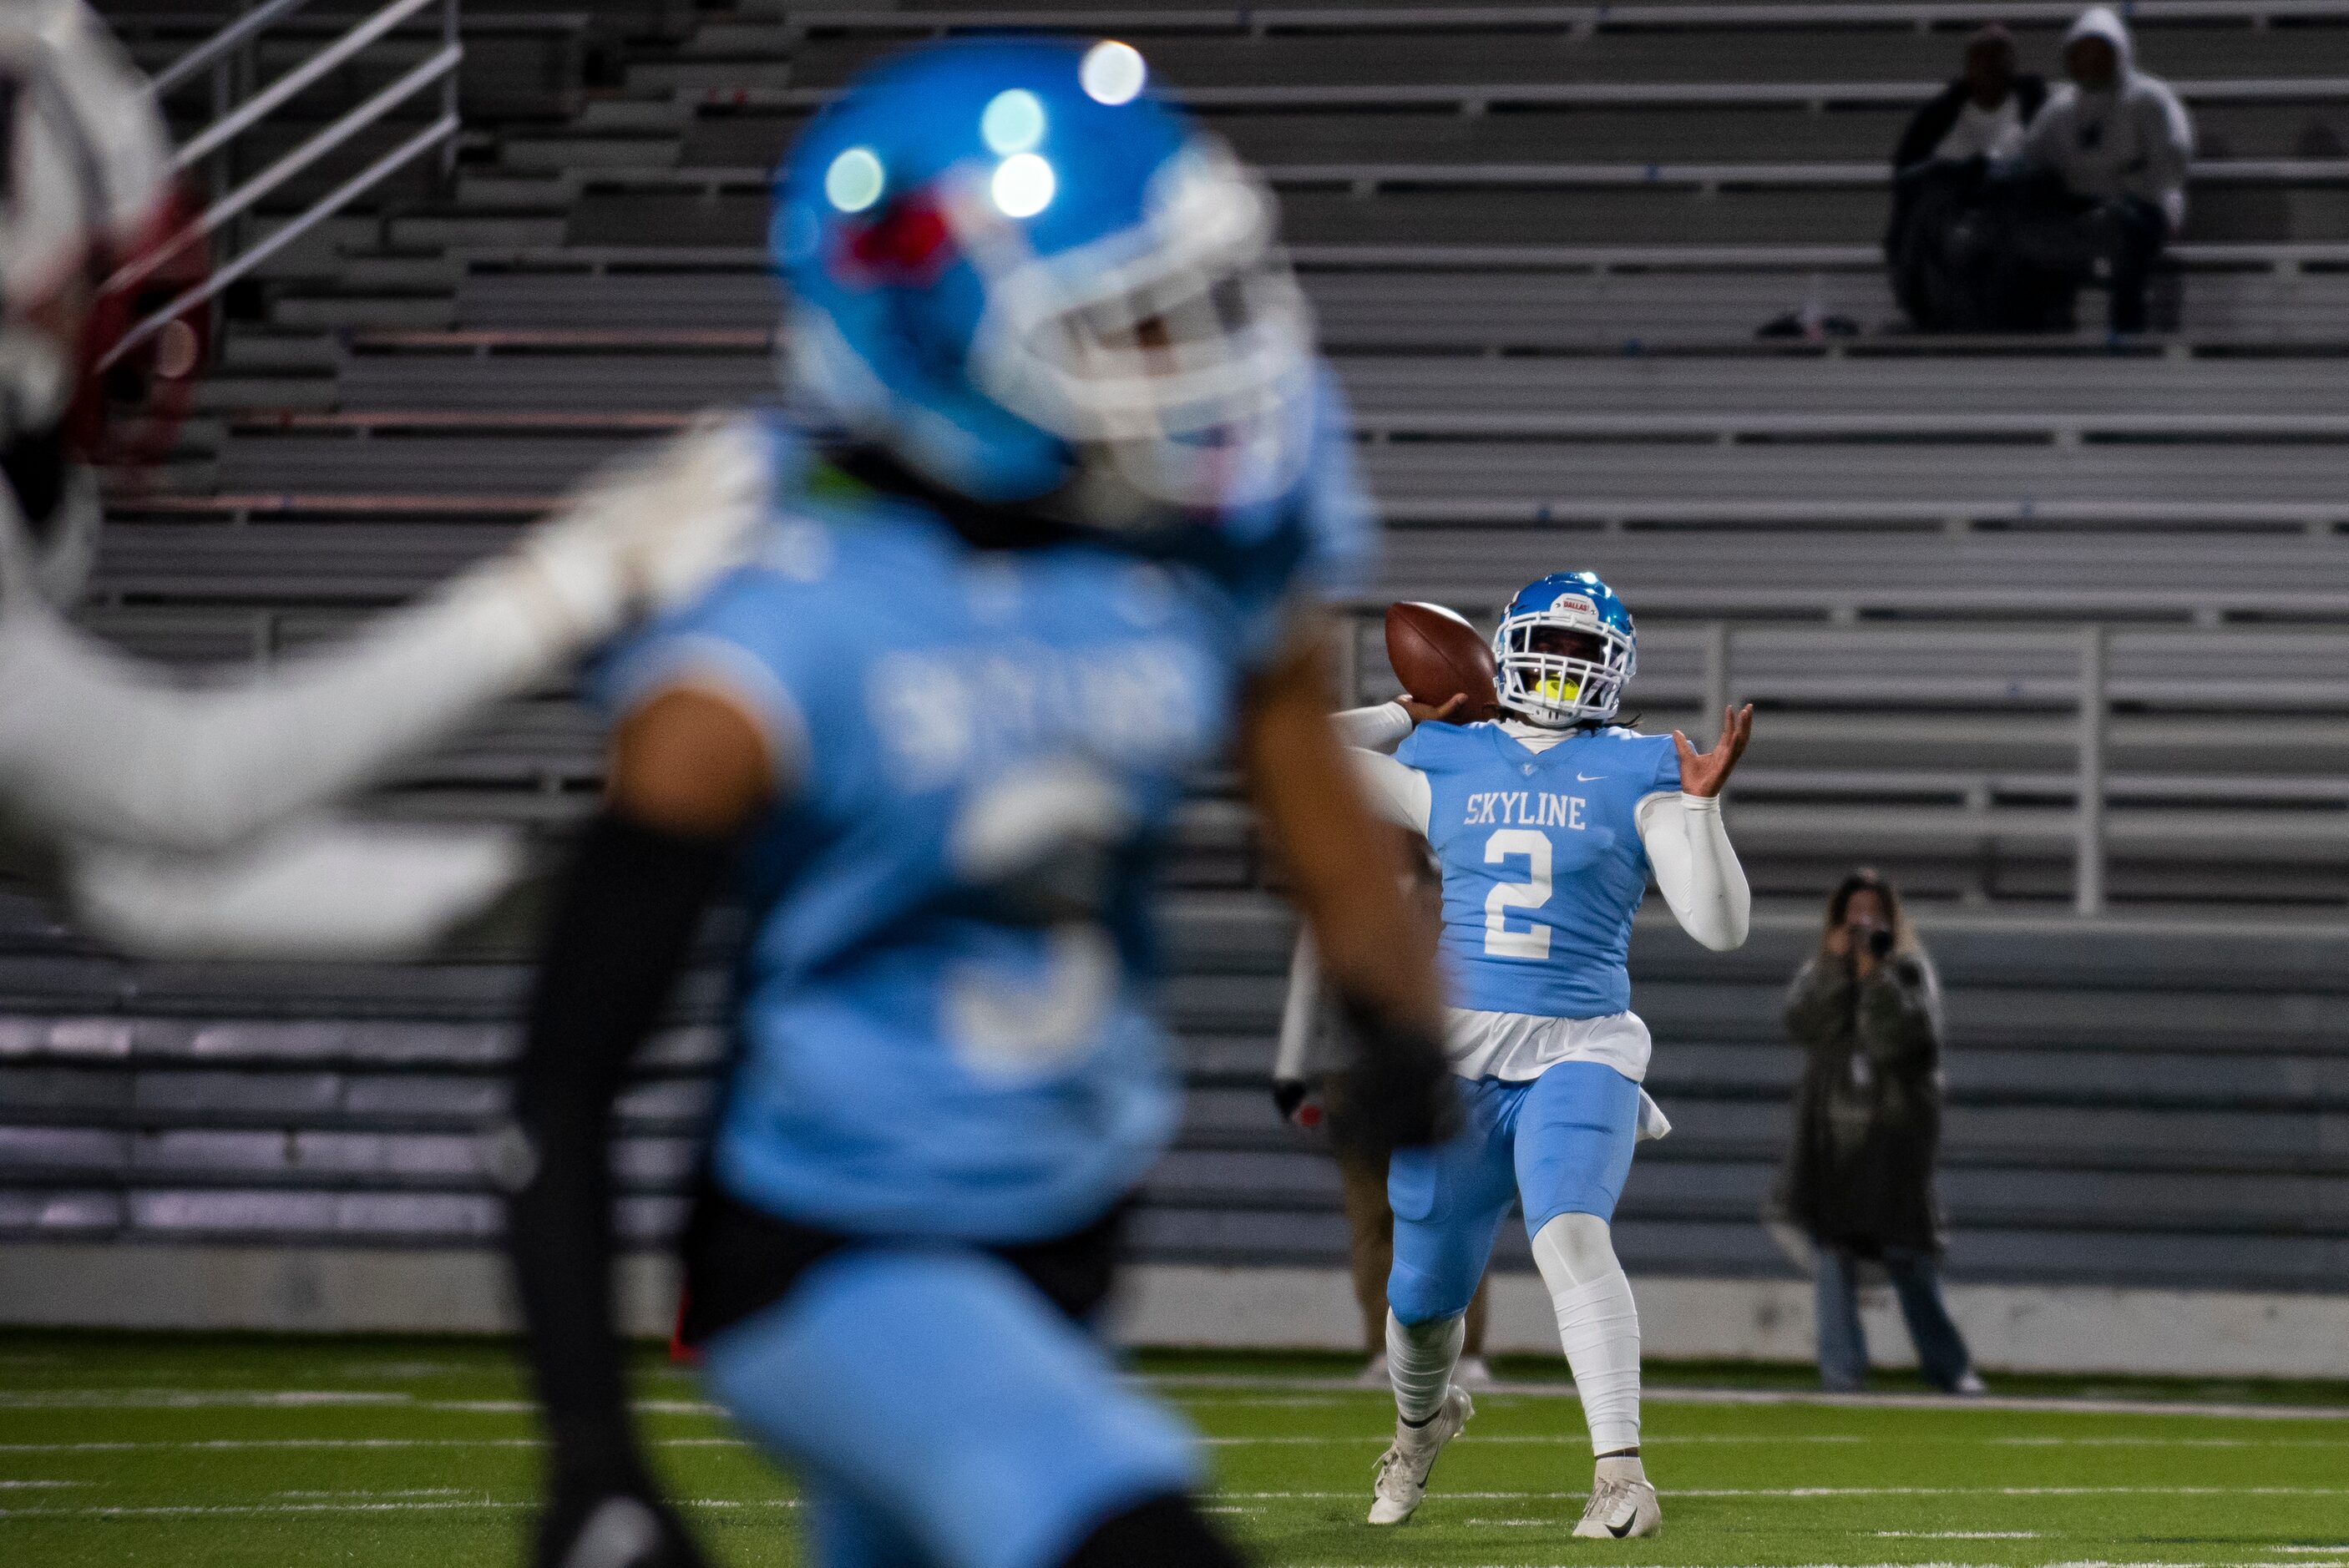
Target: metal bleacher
{"x":2027,"y":620}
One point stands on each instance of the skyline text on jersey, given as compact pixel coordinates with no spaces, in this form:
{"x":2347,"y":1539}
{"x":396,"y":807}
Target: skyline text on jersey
{"x":1525,"y":809}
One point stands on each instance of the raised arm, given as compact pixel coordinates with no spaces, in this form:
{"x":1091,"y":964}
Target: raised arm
{"x":1380,"y":729}
{"x":1387,"y":725}
{"x":318,"y":890}
{"x":96,"y":746}
{"x":1696,"y":869}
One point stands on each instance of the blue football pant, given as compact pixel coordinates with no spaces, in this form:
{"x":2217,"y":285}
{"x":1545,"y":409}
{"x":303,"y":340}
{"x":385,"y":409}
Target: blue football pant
{"x":940,"y":1413}
{"x":1561,"y":1142}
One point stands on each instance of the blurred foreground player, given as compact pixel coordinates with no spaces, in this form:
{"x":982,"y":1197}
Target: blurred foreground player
{"x":1308,"y":1091}
{"x":187,"y":821}
{"x":1547,"y":822}
{"x":1077,"y":473}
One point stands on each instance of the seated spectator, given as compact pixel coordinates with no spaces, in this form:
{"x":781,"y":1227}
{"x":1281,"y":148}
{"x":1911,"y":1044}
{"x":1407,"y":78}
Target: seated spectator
{"x":1983,"y":114}
{"x":2118,"y":141}
{"x":1938,"y":171}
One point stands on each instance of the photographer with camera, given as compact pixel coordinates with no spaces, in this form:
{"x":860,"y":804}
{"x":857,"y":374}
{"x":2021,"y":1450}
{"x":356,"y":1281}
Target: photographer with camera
{"x":1866,"y":1010}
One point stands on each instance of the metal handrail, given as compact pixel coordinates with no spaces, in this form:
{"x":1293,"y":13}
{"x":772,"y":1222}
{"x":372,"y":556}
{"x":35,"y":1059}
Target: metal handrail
{"x":248,"y":26}
{"x":255,"y":109}
{"x":325,"y":206}
{"x":230,"y":205}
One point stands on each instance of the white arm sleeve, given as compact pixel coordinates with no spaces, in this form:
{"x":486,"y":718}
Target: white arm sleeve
{"x":1397,"y":793}
{"x":313,"y":891}
{"x":94,"y":745}
{"x":1380,"y":729}
{"x":1696,"y":869}
{"x":1292,"y":1060}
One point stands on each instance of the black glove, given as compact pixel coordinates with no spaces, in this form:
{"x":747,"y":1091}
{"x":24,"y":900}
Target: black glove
{"x":1298,"y":1104}
{"x":589,"y":1526}
{"x":1399,"y":1093}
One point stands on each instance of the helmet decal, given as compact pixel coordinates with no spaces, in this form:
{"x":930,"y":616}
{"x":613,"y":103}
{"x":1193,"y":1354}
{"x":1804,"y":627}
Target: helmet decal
{"x":907,"y":245}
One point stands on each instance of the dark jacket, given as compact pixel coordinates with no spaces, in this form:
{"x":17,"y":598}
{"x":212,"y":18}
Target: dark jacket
{"x":1937,"y":114}
{"x":1931,"y":122}
{"x":1868,"y":1114}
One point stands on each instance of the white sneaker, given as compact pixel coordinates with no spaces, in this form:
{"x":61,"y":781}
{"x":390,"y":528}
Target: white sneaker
{"x":1473,"y":1373}
{"x":1374,"y":1376}
{"x":1403,"y":1469}
{"x":1622,"y":1507}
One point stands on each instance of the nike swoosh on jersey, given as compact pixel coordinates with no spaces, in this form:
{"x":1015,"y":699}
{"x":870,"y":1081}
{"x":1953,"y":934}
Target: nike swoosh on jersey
{"x":1589,"y":777}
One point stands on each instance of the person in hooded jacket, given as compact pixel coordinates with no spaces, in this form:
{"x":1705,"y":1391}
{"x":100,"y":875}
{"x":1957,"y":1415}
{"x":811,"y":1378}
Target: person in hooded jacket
{"x":1939,"y":165}
{"x":2120,"y":142}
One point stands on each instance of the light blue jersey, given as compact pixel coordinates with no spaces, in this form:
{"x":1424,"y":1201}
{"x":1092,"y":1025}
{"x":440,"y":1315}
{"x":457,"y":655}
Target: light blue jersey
{"x":1543,"y":866}
{"x":944,"y":1004}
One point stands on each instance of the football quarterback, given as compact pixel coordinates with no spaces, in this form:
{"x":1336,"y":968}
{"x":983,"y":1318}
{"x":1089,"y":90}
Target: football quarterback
{"x":1547,"y":823}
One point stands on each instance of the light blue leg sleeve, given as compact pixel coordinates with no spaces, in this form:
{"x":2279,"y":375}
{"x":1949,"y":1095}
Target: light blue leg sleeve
{"x":939,"y":1391}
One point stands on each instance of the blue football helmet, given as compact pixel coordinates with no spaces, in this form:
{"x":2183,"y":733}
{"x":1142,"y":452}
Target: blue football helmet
{"x":1566,"y":649}
{"x":1031,"y":281}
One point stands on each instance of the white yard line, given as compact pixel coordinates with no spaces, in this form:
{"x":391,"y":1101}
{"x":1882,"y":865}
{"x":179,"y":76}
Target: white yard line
{"x":1959,"y":1534}
{"x":350,"y":1493}
{"x":1233,"y":1389}
{"x":1648,"y":1439}
{"x":238,"y":1510}
{"x":1236,"y":1383}
{"x":2082,"y":1562}
{"x":298,"y":1399}
{"x":193,"y":1445}
{"x":1652,"y":1439}
{"x":194,"y":1398}
{"x":385,"y":1505}
{"x":2156,"y":1442}
{"x":1805,"y":1494}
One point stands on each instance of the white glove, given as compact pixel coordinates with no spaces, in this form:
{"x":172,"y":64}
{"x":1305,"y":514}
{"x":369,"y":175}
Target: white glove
{"x":648,"y":531}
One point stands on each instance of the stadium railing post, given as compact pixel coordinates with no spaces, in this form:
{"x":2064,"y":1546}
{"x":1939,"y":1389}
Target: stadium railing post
{"x":2088,"y":860}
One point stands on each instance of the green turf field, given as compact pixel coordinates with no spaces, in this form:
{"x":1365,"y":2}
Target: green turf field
{"x":196,"y":1452}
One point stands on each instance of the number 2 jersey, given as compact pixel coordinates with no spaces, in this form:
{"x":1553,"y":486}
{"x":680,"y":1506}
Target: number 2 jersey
{"x":1543,"y":864}
{"x":942,"y":1014}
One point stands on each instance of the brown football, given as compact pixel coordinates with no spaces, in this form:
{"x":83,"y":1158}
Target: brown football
{"x":1436,"y":653}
